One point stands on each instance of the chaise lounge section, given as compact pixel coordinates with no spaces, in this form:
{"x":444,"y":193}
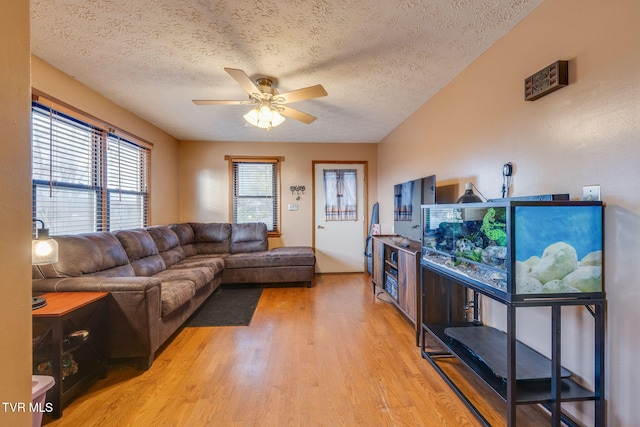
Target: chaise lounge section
{"x":159,"y":276}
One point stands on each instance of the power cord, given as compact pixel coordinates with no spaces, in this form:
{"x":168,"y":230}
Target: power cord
{"x":383,"y":299}
{"x":481,"y":195}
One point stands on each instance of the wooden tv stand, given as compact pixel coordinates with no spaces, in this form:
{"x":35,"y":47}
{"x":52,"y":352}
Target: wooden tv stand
{"x":395,"y":267}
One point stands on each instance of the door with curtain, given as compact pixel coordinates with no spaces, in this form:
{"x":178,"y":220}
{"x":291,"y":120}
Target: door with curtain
{"x":339,"y":216}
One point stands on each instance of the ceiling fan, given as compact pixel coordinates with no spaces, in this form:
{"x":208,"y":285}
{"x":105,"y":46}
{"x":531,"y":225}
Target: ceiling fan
{"x":269,"y":104}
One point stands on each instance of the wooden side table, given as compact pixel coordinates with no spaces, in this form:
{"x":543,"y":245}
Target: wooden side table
{"x":70,"y":343}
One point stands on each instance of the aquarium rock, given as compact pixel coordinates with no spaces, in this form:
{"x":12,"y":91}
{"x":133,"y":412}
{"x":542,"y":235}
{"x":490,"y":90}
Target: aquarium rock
{"x":525,"y":267}
{"x":528,"y":285}
{"x":465,"y":245}
{"x":592,"y":258}
{"x":558,"y":286}
{"x":586,"y":279}
{"x":558,"y":260}
{"x":430,"y":242}
{"x":494,"y":255}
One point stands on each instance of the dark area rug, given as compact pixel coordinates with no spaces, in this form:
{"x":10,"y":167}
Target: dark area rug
{"x":228,"y":306}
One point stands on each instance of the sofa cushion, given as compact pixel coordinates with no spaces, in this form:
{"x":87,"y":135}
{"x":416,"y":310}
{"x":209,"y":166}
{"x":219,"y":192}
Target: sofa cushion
{"x":186,"y":238}
{"x":142,"y":251}
{"x":214,"y":262}
{"x":249,"y":237}
{"x":168,"y":244}
{"x":288,"y":274}
{"x":175,"y":294}
{"x":200,"y":276}
{"x":90,"y":254}
{"x":278,"y":257}
{"x":214,"y":238}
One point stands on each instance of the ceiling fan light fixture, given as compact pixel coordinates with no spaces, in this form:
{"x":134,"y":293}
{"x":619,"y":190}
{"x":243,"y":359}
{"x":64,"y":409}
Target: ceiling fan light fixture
{"x":268,"y":104}
{"x":264,"y":117}
{"x":265,"y":114}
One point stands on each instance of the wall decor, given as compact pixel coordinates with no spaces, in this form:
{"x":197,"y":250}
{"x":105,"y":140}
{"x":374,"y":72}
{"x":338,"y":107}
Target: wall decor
{"x":547,"y":80}
{"x":297,"y":189}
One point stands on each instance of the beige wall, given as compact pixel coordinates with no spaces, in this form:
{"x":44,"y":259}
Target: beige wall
{"x":204,"y":183}
{"x":15,"y":212}
{"x":15,"y":188}
{"x":585,"y":133}
{"x":164,"y":168}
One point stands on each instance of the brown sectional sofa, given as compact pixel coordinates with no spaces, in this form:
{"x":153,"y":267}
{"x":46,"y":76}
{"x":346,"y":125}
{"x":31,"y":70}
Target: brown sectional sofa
{"x":158,"y":276}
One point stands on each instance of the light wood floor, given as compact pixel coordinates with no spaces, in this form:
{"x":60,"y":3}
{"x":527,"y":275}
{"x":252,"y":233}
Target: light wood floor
{"x":330,"y":355}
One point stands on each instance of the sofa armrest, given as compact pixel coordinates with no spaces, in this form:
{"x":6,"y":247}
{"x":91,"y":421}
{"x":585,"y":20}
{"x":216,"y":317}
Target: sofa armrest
{"x":133,"y":310}
{"x":95,"y":284}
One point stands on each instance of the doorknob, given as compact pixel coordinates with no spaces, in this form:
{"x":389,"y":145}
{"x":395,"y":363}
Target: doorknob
{"x":320,"y":227}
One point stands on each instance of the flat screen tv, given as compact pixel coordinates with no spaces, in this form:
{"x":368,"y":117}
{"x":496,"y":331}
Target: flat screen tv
{"x":408,"y":196}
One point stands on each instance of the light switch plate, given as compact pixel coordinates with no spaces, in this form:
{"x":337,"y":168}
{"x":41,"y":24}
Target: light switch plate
{"x":591,"y":193}
{"x":293,"y":206}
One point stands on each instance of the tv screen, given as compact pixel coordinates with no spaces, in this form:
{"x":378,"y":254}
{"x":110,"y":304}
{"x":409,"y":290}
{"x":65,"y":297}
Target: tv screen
{"x":408,"y":196}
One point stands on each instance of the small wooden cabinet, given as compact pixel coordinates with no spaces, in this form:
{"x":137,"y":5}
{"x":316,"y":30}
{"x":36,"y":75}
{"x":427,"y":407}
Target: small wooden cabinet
{"x":395,"y":268}
{"x":70,"y":343}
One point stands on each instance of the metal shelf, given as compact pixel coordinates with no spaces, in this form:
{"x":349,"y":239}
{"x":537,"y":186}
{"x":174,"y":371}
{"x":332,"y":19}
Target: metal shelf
{"x":550,"y":392}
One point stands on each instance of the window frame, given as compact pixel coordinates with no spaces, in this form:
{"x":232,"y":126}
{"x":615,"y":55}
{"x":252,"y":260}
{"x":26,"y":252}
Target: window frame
{"x":101,"y":161}
{"x":277,"y":208}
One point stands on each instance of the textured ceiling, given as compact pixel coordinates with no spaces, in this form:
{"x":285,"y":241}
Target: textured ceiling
{"x":379,"y":60}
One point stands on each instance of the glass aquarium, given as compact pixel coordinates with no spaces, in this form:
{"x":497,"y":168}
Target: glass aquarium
{"x":517,"y":249}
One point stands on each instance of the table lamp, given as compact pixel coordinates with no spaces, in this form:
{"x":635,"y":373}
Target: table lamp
{"x":44,"y":250}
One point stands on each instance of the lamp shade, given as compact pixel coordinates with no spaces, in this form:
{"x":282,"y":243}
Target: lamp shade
{"x":264,"y":117}
{"x":469,"y":196}
{"x":44,"y":251}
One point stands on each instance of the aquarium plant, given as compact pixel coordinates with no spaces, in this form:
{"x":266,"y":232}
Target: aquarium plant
{"x":494,"y":230}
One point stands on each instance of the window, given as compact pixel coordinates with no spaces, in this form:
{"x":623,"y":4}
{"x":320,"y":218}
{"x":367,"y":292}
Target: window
{"x":340,"y":194}
{"x":255,"y":191}
{"x":86,"y":177}
{"x":127,"y":182}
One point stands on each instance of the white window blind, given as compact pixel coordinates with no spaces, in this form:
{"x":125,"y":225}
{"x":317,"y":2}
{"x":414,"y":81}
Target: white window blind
{"x":255,"y":192}
{"x":127,"y":177}
{"x":85,"y":178}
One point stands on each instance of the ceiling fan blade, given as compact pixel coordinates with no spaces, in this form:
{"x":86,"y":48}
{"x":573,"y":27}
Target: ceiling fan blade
{"x":222,"y":102}
{"x":305,"y":93}
{"x":244,"y":80}
{"x":296,"y":114}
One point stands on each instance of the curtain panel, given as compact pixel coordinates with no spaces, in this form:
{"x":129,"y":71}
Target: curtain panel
{"x":340,"y":193}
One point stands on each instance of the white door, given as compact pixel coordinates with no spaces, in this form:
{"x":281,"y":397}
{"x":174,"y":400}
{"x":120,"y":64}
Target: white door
{"x":339,"y":245}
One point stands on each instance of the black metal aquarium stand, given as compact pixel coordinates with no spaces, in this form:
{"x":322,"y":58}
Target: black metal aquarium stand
{"x":549,"y":392}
